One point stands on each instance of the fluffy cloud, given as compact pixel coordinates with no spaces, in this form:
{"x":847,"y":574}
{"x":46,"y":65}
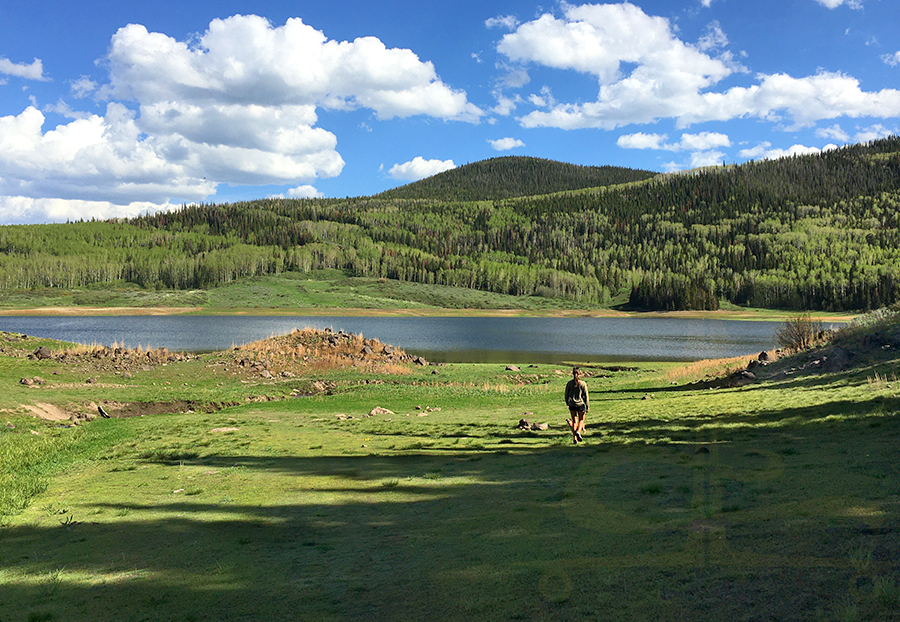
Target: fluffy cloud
{"x":646,"y":73}
{"x":874,"y":133}
{"x":22,"y":210}
{"x":765,"y":150}
{"x":420,"y":168}
{"x":304,"y":192}
{"x":892,"y":59}
{"x":689,"y":142}
{"x":505,"y":144}
{"x":509,"y":22}
{"x":32,"y":71}
{"x":93,"y":159}
{"x":833,"y":4}
{"x":237,"y":105}
{"x":244,"y":60}
{"x":835,"y":132}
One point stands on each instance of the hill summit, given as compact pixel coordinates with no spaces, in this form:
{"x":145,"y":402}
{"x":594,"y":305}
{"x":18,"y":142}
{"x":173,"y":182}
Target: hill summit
{"x":513,"y":176}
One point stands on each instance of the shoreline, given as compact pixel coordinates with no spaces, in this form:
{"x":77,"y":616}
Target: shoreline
{"x":762,"y":315}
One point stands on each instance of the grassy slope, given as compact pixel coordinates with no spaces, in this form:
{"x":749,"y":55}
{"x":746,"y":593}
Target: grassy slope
{"x":320,"y":292}
{"x":775,"y":500}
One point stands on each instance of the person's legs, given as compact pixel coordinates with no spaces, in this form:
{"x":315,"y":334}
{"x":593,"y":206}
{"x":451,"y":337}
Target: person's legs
{"x":573,"y":424}
{"x":578,"y":426}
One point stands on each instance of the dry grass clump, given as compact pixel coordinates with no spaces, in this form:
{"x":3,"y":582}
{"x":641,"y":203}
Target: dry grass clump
{"x":710,"y":368}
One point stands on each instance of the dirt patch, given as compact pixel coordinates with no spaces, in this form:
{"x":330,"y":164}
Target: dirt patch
{"x":48,"y":412}
{"x":122,"y":410}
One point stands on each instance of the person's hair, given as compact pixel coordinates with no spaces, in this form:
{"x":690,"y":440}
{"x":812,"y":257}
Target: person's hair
{"x":576,"y":369}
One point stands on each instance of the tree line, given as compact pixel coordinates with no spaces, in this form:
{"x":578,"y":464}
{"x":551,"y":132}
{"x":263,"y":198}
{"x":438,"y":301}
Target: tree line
{"x":806,"y":232}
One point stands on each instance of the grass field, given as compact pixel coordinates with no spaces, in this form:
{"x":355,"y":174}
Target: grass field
{"x":327,"y":292}
{"x":690,"y":499}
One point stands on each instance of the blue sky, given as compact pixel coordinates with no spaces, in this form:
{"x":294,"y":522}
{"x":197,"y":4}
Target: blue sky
{"x":115,"y":109}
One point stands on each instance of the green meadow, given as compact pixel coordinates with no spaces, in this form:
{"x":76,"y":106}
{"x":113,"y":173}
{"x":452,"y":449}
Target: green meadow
{"x":693,"y":497}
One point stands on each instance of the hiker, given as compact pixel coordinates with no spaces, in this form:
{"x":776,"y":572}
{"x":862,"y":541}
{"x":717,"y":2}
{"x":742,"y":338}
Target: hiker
{"x":577,"y":401}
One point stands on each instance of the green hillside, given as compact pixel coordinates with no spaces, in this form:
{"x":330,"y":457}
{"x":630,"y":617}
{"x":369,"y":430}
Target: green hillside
{"x":513,"y":176}
{"x":817,"y":232}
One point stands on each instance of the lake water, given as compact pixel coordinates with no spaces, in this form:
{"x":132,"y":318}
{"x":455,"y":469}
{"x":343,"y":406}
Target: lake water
{"x":453,"y":339}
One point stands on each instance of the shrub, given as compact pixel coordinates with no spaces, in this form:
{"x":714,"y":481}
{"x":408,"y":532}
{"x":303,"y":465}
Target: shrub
{"x":799,"y":333}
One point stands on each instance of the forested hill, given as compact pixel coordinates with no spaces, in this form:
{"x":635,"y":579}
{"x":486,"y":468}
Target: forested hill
{"x":513,"y":176}
{"x":807,"y":232}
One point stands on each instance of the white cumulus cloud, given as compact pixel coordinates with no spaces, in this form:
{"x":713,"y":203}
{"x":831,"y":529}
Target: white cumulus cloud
{"x":646,"y":73}
{"x":31,"y":71}
{"x":765,"y":150}
{"x":702,"y":141}
{"x":305,"y":192}
{"x":505,"y":144}
{"x":238,"y":104}
{"x":833,"y":4}
{"x":420,"y":168}
{"x":509,"y":22}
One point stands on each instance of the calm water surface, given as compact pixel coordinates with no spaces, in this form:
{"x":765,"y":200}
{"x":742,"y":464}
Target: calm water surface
{"x":466,"y":339}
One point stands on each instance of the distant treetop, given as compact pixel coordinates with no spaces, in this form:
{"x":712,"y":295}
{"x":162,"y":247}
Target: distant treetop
{"x":513,"y":176}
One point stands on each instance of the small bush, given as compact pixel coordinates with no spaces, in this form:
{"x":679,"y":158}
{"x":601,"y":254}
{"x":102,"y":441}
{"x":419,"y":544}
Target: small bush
{"x":799,"y":333}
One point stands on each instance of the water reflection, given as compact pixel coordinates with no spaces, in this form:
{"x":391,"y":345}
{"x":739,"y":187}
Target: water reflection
{"x":469,"y":339}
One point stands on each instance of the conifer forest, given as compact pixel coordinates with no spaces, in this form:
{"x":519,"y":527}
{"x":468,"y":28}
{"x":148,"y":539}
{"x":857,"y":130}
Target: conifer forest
{"x":813,"y":232}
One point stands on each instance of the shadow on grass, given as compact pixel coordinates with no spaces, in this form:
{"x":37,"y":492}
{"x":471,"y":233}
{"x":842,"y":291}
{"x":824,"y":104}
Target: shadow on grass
{"x":604,"y":531}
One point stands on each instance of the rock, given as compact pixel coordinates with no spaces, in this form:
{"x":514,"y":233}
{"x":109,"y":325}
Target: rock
{"x":10,"y":425}
{"x":367,"y":351}
{"x":838,"y":360}
{"x":524,"y":424}
{"x":378,"y":410}
{"x":418,"y":360}
{"x":763,"y":356}
{"x":540,"y":426}
{"x":512,"y":368}
{"x":388,"y":350}
{"x":37,"y":380}
{"x":26,"y":381}
{"x":647,"y":397}
{"x":43,"y":353}
{"x":91,"y":380}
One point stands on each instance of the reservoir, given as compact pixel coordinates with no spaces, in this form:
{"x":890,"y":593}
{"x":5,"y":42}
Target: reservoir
{"x":440,"y":339}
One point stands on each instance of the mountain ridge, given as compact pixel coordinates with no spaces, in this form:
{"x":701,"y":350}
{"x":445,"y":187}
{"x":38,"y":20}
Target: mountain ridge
{"x":507,"y":177}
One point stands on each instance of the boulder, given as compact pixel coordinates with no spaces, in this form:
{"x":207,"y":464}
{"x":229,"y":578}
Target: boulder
{"x":763,"y":356}
{"x":43,"y":353}
{"x":837,"y":360}
{"x":378,"y":410}
{"x":512,"y":368}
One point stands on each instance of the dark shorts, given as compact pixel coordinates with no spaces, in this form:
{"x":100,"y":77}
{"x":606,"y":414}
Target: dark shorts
{"x":577,"y":410}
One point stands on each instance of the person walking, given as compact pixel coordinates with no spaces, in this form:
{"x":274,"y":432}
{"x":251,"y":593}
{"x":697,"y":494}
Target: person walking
{"x":577,"y":401}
